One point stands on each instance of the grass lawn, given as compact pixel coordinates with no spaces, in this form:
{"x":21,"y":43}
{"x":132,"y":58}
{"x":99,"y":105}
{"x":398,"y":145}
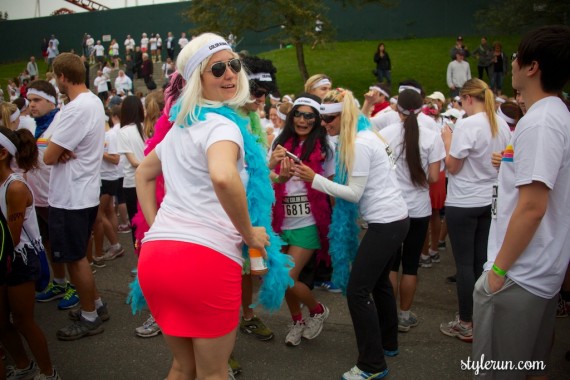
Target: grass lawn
{"x":350,"y":64}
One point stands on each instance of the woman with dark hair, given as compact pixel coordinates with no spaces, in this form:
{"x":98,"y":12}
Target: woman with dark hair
{"x":499,"y":68}
{"x":418,"y":153}
{"x":383,"y":64}
{"x":364,"y":182}
{"x":130,"y":143}
{"x":302,"y":214}
{"x":17,"y":280}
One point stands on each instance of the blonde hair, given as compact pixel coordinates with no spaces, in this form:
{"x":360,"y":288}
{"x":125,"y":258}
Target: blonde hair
{"x":191,"y":98}
{"x":7,"y":110}
{"x":479,"y":90}
{"x":348,"y":126}
{"x":313,"y":80}
{"x":153,"y":105}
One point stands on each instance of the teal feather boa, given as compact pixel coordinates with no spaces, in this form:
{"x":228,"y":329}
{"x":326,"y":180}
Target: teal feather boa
{"x":260,"y":197}
{"x":343,"y":232}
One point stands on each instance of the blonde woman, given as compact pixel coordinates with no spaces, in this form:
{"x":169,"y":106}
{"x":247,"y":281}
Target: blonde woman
{"x":318,"y":84}
{"x":153,"y":106}
{"x":9,"y":116}
{"x":365,"y":179}
{"x":472,"y":178}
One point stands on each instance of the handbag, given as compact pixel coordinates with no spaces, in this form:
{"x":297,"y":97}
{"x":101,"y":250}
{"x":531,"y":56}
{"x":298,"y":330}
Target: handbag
{"x":151,"y":84}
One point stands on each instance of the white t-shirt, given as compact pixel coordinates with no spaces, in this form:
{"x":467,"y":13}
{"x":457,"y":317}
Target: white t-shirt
{"x":123,"y":162}
{"x":472,"y":142}
{"x":152,"y":42}
{"x":27,"y":122}
{"x":123,"y":83}
{"x":114,"y":49}
{"x":144,"y":43}
{"x":80,"y":128}
{"x":108,"y":170}
{"x":381,"y":201}
{"x":101,"y":84}
{"x":38,"y":179}
{"x":191,"y":211}
{"x":130,"y":44}
{"x":99,"y":50}
{"x":129,"y":140}
{"x":383,"y":119}
{"x":296,"y":187}
{"x":431,"y":150}
{"x":539,"y":151}
{"x":182,"y":42}
{"x":90,"y":42}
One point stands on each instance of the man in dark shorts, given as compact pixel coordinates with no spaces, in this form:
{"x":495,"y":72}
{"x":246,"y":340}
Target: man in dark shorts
{"x":74,"y":151}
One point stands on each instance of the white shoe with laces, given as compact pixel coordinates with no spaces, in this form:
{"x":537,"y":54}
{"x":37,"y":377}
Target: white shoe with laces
{"x":314,"y":324}
{"x":295,"y":333}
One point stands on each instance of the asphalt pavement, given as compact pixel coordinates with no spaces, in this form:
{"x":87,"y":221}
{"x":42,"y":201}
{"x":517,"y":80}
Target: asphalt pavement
{"x":425,"y":353}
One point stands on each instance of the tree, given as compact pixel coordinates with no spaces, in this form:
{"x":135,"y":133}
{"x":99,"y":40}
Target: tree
{"x":293,"y":20}
{"x":524,"y":15}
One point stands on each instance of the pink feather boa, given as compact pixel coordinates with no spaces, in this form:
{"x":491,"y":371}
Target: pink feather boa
{"x":161,"y":128}
{"x":320,"y":207}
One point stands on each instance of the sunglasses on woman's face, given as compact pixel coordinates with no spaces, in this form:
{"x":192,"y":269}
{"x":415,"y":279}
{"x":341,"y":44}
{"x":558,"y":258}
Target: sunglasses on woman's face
{"x":305,"y":115}
{"x":329,"y":118}
{"x":219,"y":68}
{"x":258,"y":92}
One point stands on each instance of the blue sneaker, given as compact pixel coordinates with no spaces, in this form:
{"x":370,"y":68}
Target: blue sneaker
{"x":356,"y":373}
{"x":52,"y":292}
{"x":391,"y":353}
{"x":70,"y":300}
{"x":330,"y":286}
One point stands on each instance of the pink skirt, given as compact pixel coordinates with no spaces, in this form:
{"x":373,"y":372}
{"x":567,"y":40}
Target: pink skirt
{"x":192,"y":291}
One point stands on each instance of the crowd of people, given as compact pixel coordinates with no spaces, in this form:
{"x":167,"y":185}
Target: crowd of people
{"x":351,"y":198}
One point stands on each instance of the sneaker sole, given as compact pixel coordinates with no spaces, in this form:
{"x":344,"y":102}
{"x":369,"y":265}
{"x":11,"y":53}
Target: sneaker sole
{"x":148,"y":335}
{"x":98,"y":330}
{"x":334,"y":291}
{"x":403,"y":328}
{"x":51,"y":299}
{"x":257,"y":336}
{"x":458,"y":336}
{"x":292,"y":344}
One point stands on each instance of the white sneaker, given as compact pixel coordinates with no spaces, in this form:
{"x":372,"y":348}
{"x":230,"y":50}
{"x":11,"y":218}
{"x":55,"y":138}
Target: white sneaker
{"x":148,"y":329}
{"x":356,"y":373}
{"x":295,"y":333}
{"x":113,"y":253}
{"x":13,"y":373}
{"x":314,"y":325}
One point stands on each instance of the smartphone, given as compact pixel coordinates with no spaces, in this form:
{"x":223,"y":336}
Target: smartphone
{"x":293,"y":157}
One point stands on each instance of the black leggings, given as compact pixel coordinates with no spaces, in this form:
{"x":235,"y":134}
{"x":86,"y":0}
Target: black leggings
{"x":375,"y":318}
{"x":409,"y":253}
{"x":468,"y":230}
{"x":131,"y":202}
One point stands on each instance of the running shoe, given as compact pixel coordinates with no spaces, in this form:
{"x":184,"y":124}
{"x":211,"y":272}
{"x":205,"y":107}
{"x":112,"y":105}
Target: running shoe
{"x":80,"y":329}
{"x":70,"y":299}
{"x":314,"y":324}
{"x":13,"y":373}
{"x":256,"y":327}
{"x":102,"y":312}
{"x":149,"y":329}
{"x":425,"y":263}
{"x":295,"y":333}
{"x":54,"y":291}
{"x":456,"y":329}
{"x":356,"y":373}
{"x":404,"y":325}
{"x":53,"y":376}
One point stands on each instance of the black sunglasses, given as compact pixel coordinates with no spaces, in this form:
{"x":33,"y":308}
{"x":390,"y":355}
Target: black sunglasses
{"x":329,"y":118}
{"x":219,"y":68}
{"x":305,"y":115}
{"x":258,"y":92}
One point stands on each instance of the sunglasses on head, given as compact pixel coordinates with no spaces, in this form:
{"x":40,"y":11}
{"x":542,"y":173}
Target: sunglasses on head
{"x":258,"y":92}
{"x":305,"y":115}
{"x":219,"y":68}
{"x":329,"y":118}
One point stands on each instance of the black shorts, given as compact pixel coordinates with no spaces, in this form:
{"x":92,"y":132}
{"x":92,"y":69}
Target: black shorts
{"x":120,"y":192}
{"x":70,"y":231}
{"x":42,"y":214}
{"x":23,"y":267}
{"x":109,"y":187}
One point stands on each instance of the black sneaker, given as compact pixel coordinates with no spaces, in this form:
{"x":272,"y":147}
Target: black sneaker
{"x":80,"y":329}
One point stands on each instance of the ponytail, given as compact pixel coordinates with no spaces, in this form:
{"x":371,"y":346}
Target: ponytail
{"x":409,"y":105}
{"x":479,"y":90}
{"x":490,"y":111}
{"x":27,"y":150}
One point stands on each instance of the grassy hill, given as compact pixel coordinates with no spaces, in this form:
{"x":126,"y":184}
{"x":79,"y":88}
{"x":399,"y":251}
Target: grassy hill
{"x":350,"y":64}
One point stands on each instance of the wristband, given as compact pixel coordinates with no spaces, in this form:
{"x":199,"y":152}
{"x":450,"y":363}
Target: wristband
{"x":275,"y":179}
{"x":498,"y":271}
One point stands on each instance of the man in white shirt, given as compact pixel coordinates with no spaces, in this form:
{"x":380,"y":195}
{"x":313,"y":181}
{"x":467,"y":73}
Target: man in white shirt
{"x":90,"y":42}
{"x":129,"y":44}
{"x":74,"y":151}
{"x":99,"y":53}
{"x":100,"y":84}
{"x":32,"y":68}
{"x":458,"y":72}
{"x":529,"y":245}
{"x":182,"y":41}
{"x":55,"y":42}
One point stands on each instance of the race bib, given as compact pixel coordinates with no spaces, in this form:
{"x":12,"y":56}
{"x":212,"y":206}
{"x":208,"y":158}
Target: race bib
{"x":296,"y":206}
{"x":494,"y":201}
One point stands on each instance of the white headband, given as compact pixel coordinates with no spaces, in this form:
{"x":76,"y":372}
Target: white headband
{"x":322,"y":82}
{"x":376,"y":88}
{"x":274,"y":97}
{"x":6,"y":143}
{"x":26,"y":104}
{"x":281,"y":115}
{"x":329,"y":108}
{"x":502,"y":115}
{"x":306,"y":102}
{"x":41,"y":94}
{"x":409,"y":112}
{"x":15,"y":116}
{"x":262,"y":77}
{"x":287,"y":98}
{"x":204,"y":52}
{"x":499,"y":100}
{"x":393,"y":100}
{"x":402,"y":88}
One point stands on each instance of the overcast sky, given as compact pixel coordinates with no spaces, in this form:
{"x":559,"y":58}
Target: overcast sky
{"x":18,"y":9}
